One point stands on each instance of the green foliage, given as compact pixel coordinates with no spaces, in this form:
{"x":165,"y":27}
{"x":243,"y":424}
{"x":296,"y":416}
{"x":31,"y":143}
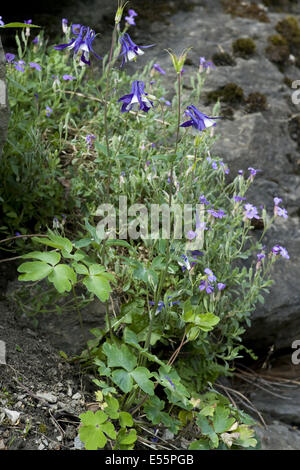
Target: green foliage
{"x":166,"y":339}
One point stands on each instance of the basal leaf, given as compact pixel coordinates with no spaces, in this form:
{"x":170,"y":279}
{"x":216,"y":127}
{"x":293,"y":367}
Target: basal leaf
{"x":141,"y":376}
{"x":63,"y":277}
{"x":221,"y":420}
{"x":50,"y":257}
{"x":123,"y":379}
{"x":34,"y":271}
{"x":125,"y":419}
{"x":119,"y":357}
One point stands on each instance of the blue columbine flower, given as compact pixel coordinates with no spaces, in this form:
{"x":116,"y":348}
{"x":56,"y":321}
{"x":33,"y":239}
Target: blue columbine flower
{"x":136,"y":98}
{"x":9,"y":57}
{"x":162,"y":305}
{"x":81,"y":43}
{"x":198,"y":121}
{"x":129,"y":49}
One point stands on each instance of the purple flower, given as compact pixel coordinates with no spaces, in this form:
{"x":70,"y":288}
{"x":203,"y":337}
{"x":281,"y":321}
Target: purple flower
{"x":17,"y":234}
{"x":210,"y":275}
{"x":136,"y":98}
{"x":68,"y":77}
{"x":132,"y":13}
{"x":240,"y":172}
{"x":162,"y":305}
{"x":221,"y":286}
{"x":1,"y":22}
{"x":158,"y":68}
{"x":167,"y":103}
{"x":203,"y":200}
{"x":205,"y":285}
{"x":279,"y":250}
{"x":36,"y":40}
{"x":214,"y":165}
{"x":75,"y":28}
{"x":239,"y":198}
{"x":250,"y":212}
{"x":277,"y":201}
{"x":204,"y":64}
{"x":81,"y":43}
{"x":281,"y":212}
{"x":36,"y":66}
{"x":9,"y":57}
{"x":48,"y":111}
{"x":252,"y":172}
{"x":129,"y":49}
{"x":19,"y":65}
{"x":260,"y":256}
{"x":217,"y":214}
{"x":27,"y":21}
{"x":88,"y":139}
{"x":198,"y":121}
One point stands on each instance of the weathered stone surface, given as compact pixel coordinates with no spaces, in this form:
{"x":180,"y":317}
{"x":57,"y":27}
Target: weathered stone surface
{"x":285,"y":408}
{"x":278,"y":436}
{"x":4,"y":112}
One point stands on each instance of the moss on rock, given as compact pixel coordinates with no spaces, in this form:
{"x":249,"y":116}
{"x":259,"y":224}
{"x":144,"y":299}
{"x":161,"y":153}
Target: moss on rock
{"x":245,"y":10}
{"x":277,"y":50}
{"x":230,"y":93}
{"x":244,"y":47}
{"x":223,"y":59}
{"x":290,"y":30}
{"x":256,"y":102}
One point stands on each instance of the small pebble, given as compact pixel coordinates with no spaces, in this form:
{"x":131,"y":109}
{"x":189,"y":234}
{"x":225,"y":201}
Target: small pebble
{"x":76,"y":396}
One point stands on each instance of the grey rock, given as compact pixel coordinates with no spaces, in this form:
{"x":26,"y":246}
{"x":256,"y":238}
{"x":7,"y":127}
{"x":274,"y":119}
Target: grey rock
{"x":48,"y":396}
{"x":285,"y":408}
{"x":278,"y":436}
{"x":4,"y":109}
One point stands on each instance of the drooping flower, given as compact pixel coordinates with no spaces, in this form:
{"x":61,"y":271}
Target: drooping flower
{"x":81,"y":43}
{"x":27,"y":31}
{"x":9,"y":57}
{"x":250,"y":212}
{"x":36,"y":66}
{"x":158,"y":68}
{"x":136,"y":98}
{"x":129,"y":49}
{"x":199,"y":121}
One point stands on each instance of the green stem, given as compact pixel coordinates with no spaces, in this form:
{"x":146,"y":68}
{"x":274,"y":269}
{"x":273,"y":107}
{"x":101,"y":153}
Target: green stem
{"x":107,"y":88}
